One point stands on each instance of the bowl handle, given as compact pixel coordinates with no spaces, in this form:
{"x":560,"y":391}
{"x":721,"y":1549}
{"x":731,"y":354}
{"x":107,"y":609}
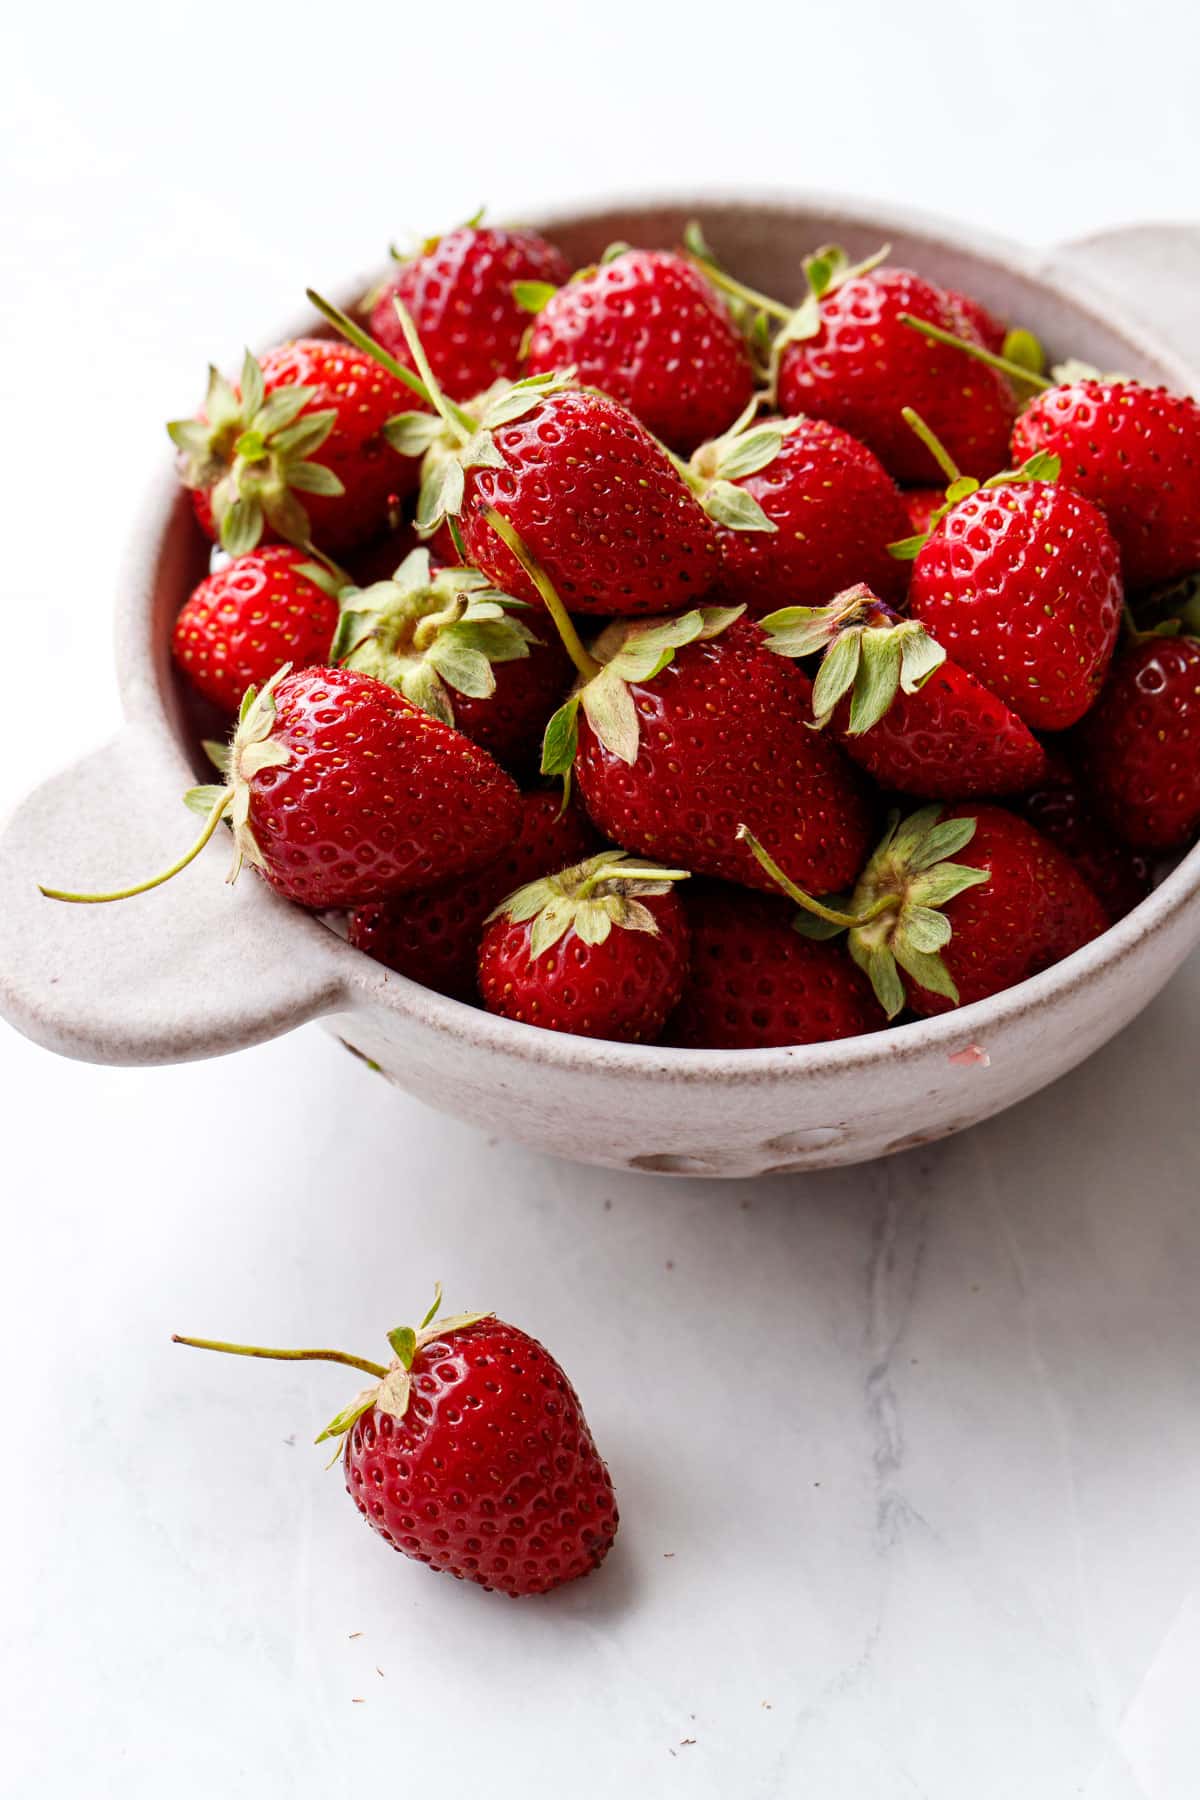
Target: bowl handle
{"x":1153,"y":270}
{"x":190,"y":969}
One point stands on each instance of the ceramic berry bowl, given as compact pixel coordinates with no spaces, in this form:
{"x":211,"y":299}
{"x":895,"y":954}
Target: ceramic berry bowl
{"x":197,"y":969}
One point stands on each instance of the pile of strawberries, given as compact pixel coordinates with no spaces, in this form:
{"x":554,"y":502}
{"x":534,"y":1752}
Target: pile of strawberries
{"x":653,"y":660}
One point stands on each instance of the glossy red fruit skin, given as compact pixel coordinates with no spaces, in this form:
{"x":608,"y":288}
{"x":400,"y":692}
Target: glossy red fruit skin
{"x":950,"y":740}
{"x":1021,"y":585}
{"x":1134,"y":452}
{"x":377,"y":797}
{"x":492,"y":1474}
{"x":649,"y":330}
{"x":242,"y":622}
{"x":755,"y":984}
{"x":509,"y":723}
{"x":990,"y":330}
{"x":864,"y":365}
{"x":598,"y":504}
{"x":622,"y":990}
{"x":1118,"y":876}
{"x":1139,"y":749}
{"x":836,"y":509}
{"x":726,"y":741}
{"x":460,"y":296}
{"x":920,"y":504}
{"x":1035,"y":909}
{"x":433,"y":937}
{"x":365,"y":397}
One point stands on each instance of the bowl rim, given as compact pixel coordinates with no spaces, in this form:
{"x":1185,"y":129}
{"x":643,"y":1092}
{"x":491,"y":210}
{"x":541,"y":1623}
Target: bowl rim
{"x":142,"y":679}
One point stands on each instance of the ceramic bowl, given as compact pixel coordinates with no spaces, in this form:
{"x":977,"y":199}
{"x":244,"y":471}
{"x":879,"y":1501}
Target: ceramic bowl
{"x":197,"y":969}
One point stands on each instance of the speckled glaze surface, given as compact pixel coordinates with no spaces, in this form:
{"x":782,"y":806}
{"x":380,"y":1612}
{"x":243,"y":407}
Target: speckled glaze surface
{"x":196,"y":969}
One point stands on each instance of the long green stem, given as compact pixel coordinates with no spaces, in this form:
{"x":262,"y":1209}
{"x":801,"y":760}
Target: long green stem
{"x":775,"y":309}
{"x":456,"y":417}
{"x":333,"y":1356}
{"x":143,"y":887}
{"x":932,"y":443}
{"x":572,"y":642}
{"x":362,"y":340}
{"x":1013,"y":370}
{"x":849,"y":920}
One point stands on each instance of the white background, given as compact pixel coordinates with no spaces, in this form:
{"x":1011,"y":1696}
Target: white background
{"x":907,"y":1455}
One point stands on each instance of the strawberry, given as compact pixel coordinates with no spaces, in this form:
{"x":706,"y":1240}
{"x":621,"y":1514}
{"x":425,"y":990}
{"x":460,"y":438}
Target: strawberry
{"x":298,"y":451}
{"x":1019,"y":580}
{"x":1057,"y":807}
{"x":600,"y":949}
{"x":846,"y":355}
{"x":1140,"y":746}
{"x":599,"y":502}
{"x":433,"y":936}
{"x":259,"y":610}
{"x":458,"y":649}
{"x":459,"y":292}
{"x":989,"y":330}
{"x":341,"y":791}
{"x":921,"y":504}
{"x":683,"y":727}
{"x":802,"y":509}
{"x":959,"y":932}
{"x":1134,"y":452}
{"x":755,"y":984}
{"x":646,"y":328}
{"x":469,"y":1452}
{"x":900,"y":708}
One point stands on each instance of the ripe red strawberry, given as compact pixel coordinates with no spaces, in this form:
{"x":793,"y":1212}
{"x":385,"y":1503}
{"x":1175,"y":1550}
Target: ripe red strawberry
{"x":647,"y":328}
{"x":1134,"y":452}
{"x":1021,"y":584}
{"x":848,"y":356}
{"x":297,"y":451}
{"x":600,"y":949}
{"x":470,"y":1453}
{"x":340,"y":791}
{"x":459,"y":291}
{"x":433,"y":937}
{"x":456,"y":647}
{"x":687,"y":727}
{"x":1118,"y":876}
{"x":1140,"y":746}
{"x":900,"y":708}
{"x":258,"y":611}
{"x":755,"y":983}
{"x":959,"y":932}
{"x":802,"y":510}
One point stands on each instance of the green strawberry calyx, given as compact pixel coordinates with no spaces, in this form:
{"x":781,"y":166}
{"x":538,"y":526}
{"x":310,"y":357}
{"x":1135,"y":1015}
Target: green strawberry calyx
{"x":870,"y":653}
{"x":391,"y":1389}
{"x":431,"y":633}
{"x":251,"y":452}
{"x":1043,"y":465}
{"x":590,"y":898}
{"x":1172,"y":610}
{"x":252,"y":748}
{"x":893,"y":919}
{"x":717,"y":467}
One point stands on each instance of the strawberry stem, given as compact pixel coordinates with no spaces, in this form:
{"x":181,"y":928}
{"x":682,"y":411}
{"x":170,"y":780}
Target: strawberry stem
{"x":1013,"y":370}
{"x":362,"y":340}
{"x":887,"y":903}
{"x":572,"y":642}
{"x":932,"y":443}
{"x":143,"y":887}
{"x":333,"y":1356}
{"x":460,"y":422}
{"x":738,"y":290}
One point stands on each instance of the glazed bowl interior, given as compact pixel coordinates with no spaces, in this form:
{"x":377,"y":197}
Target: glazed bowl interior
{"x":762,"y":243}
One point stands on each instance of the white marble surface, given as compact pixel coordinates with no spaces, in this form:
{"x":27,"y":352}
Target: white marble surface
{"x":909,"y":1455}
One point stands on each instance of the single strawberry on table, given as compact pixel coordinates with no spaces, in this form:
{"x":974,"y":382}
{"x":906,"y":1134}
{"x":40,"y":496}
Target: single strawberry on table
{"x":269,"y":606}
{"x":459,"y":292}
{"x":469,"y":1452}
{"x":648,"y":329}
{"x":341,"y":791}
{"x":433,"y":936}
{"x":754,"y":983}
{"x":599,"y":949}
{"x":297,"y":450}
{"x":459,"y":649}
{"x":900,"y":708}
{"x":802,"y":510}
